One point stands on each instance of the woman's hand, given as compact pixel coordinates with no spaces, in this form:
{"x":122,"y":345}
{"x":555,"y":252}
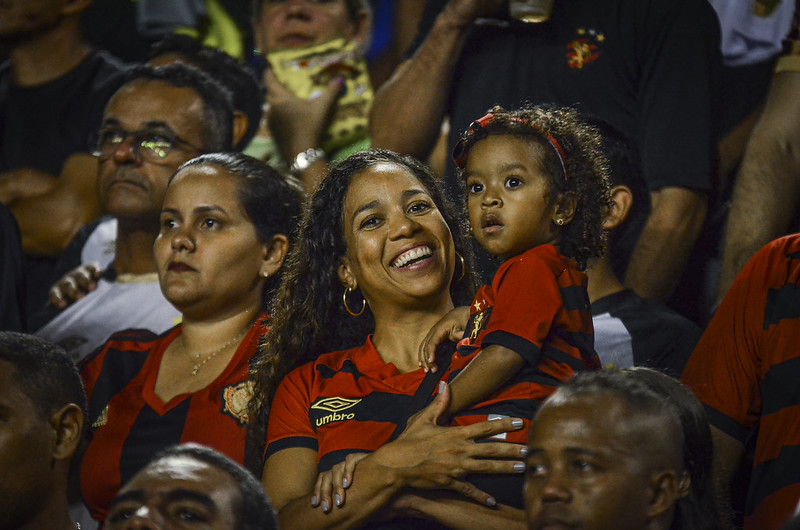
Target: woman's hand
{"x":427,"y":456}
{"x":449,"y":327}
{"x":298,"y":124}
{"x":335,"y":481}
{"x":74,"y":285}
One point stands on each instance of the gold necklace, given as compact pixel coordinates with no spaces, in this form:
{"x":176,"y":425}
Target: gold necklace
{"x":208,"y":356}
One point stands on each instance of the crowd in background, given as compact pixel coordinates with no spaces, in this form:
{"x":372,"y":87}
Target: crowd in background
{"x":259,"y":230}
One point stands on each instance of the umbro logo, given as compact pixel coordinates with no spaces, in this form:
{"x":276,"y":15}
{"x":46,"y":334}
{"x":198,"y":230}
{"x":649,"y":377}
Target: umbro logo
{"x":336,"y":405}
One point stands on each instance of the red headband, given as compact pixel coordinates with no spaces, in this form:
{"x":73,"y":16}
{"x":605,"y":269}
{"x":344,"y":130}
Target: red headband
{"x":460,"y":152}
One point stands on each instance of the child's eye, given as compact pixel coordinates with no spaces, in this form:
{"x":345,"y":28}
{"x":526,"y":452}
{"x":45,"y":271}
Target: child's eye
{"x":168,"y":224}
{"x":513,"y":182}
{"x":475,"y":187}
{"x":582,"y":466}
{"x":210,"y":223}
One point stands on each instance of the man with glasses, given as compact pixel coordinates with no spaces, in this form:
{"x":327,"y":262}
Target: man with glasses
{"x":160,"y":118}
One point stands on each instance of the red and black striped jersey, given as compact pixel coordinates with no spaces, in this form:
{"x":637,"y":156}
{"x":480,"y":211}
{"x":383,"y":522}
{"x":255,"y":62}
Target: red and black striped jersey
{"x":537,"y":305}
{"x":746,"y":370}
{"x":130,"y":423}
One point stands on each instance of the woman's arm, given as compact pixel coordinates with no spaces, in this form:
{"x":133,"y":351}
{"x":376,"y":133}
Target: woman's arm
{"x":426,"y":456}
{"x":458,"y":513}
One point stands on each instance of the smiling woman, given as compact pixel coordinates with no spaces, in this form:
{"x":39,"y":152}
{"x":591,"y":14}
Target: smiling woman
{"x":222,"y":241}
{"x":378,"y":227}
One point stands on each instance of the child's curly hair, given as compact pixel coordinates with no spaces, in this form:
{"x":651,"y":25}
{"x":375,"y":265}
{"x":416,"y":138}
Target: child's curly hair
{"x":573,"y":159}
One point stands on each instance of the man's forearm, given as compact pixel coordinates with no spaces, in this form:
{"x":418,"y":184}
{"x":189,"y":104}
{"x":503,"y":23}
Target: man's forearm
{"x":765,"y":197}
{"x":663,"y":248}
{"x":408,"y":109}
{"x":48,"y":221}
{"x":24,"y":183}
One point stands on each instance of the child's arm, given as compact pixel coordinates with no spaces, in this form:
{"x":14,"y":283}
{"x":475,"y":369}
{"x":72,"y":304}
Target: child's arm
{"x":492,"y":368}
{"x":451,"y":326}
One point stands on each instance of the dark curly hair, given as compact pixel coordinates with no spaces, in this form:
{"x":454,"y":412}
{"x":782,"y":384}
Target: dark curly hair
{"x":583,"y":238}
{"x":308,"y":318}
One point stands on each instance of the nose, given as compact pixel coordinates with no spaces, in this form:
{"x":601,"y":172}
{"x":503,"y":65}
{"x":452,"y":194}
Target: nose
{"x":403,"y":226}
{"x":142,"y":519}
{"x":126,"y":151}
{"x":183,"y":240}
{"x":297,"y":8}
{"x":555,"y":489}
{"x":491,"y":198}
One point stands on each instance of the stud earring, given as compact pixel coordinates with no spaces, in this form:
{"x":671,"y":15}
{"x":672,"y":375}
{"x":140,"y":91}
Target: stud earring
{"x":560,"y":221}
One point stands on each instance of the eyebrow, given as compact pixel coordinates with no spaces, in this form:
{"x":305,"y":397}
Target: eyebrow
{"x":132,"y":495}
{"x":191,"y":495}
{"x":197,"y":211}
{"x":405,"y":196}
{"x":148,"y":125}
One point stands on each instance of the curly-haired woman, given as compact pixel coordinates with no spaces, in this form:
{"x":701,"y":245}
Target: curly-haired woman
{"x":378,"y":224}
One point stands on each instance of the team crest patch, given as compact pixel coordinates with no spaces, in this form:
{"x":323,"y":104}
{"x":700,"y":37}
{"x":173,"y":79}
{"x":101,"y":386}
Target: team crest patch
{"x":235,"y":399}
{"x":335,"y":404}
{"x":584,"y":49}
{"x":478,"y":321}
{"x":101,"y":420}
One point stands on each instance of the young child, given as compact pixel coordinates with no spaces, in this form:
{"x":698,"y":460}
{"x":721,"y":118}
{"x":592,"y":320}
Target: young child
{"x":537,"y":191}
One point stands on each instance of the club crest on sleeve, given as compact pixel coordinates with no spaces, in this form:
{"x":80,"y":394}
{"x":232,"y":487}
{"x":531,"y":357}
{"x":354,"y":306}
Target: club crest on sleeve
{"x":235,"y":399}
{"x":478,"y":321}
{"x":101,"y":420}
{"x":585,"y":48}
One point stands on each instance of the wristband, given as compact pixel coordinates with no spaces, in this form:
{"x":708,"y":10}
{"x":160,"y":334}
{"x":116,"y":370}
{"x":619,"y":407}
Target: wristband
{"x":304,"y":159}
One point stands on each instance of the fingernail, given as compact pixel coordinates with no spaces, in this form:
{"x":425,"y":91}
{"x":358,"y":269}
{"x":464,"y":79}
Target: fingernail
{"x":517,"y":423}
{"x":345,"y":483}
{"x":442,"y":386}
{"x":314,"y":500}
{"x":491,"y":502}
{"x":337,"y":499}
{"x":519,"y":467}
{"x":523,"y":451}
{"x":324,"y":506}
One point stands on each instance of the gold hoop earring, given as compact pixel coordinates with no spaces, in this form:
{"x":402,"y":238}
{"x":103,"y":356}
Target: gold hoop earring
{"x":463,"y":266}
{"x":347,"y":308}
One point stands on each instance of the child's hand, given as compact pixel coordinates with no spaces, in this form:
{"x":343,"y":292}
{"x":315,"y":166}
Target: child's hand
{"x":451,"y":326}
{"x":336,"y":481}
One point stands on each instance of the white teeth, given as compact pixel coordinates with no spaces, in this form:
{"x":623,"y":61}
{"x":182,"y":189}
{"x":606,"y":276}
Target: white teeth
{"x":411,"y":255}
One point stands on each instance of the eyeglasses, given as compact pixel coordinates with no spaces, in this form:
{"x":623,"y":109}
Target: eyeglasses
{"x":153,"y":146}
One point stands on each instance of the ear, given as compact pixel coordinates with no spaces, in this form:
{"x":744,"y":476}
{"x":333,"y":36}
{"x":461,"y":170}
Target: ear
{"x":621,"y":202}
{"x":67,"y":424}
{"x":666,"y":491}
{"x":346,"y":274}
{"x":240,"y":123}
{"x":565,"y":206}
{"x":273,"y":254}
{"x":361,"y":28}
{"x":73,"y":7}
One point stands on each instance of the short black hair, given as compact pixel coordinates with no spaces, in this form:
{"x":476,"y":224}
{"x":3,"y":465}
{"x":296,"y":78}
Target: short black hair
{"x":253,"y":511}
{"x":44,"y":372}
{"x":270,"y":200}
{"x":217,"y":119}
{"x":657,"y":395}
{"x":625,"y":169}
{"x":236,"y":76}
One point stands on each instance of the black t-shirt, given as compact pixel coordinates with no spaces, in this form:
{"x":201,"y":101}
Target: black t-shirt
{"x":41,"y":126}
{"x":647,"y":67}
{"x":12,"y":291}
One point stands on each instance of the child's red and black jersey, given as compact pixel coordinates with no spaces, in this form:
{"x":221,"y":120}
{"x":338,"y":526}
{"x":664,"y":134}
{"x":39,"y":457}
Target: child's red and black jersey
{"x":537,"y":305}
{"x":130,"y":423}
